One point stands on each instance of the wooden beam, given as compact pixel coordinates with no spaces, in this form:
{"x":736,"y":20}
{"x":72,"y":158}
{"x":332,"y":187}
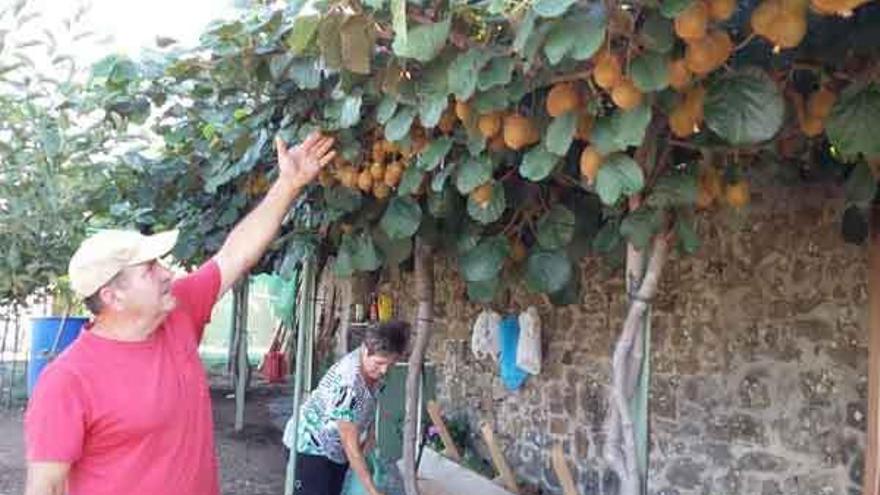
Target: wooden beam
{"x":498,"y":458}
{"x":562,"y":471}
{"x":449,"y":450}
{"x":871,"y":479}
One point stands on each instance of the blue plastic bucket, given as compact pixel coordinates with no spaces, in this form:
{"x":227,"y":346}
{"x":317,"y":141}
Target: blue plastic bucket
{"x":45,"y":342}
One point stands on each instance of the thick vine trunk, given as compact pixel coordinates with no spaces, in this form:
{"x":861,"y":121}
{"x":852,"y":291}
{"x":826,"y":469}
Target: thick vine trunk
{"x":620,"y":447}
{"x":871,"y":477}
{"x":424,"y":275}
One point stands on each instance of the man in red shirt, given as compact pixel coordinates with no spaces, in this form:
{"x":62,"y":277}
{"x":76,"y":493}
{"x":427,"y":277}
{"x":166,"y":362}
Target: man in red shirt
{"x":125,"y":409}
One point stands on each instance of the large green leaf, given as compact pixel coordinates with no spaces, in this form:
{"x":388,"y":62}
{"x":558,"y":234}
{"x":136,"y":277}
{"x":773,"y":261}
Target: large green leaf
{"x":302,"y":32}
{"x":398,"y":127}
{"x":439,"y":180}
{"x":688,"y":240}
{"x":495,"y":99}
{"x":358,"y":40}
{"x":329,"y":40}
{"x":650,"y":72}
{"x":852,"y":127}
{"x":560,"y":40}
{"x":608,"y":238}
{"x":672,"y":191}
{"x":472,"y":173}
{"x":350,"y":113}
{"x":491,"y":212}
{"x":524,"y":31}
{"x":484,"y":261}
{"x":463,"y":73}
{"x":386,"y":109}
{"x":560,"y":133}
{"x":394,"y":251}
{"x":342,"y":198}
{"x":744,"y":107}
{"x":497,"y":73}
{"x":410,"y":181}
{"x":434,"y":153}
{"x":537,"y":164}
{"x":548,"y":271}
{"x":364,"y":256}
{"x":398,"y":21}
{"x":484,"y":291}
{"x":590,"y":32}
{"x":431,"y":107}
{"x":344,"y":265}
{"x":556,"y":228}
{"x":671,"y":8}
{"x":640,"y":226}
{"x":618,"y":176}
{"x":570,"y":294}
{"x":306,"y":74}
{"x":424,"y":42}
{"x":552,"y":8}
{"x":402,"y":217}
{"x":621,"y":130}
{"x":658,"y":33}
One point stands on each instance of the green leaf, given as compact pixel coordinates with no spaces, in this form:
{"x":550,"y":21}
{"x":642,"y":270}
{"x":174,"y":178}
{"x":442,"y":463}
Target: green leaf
{"x":473,"y":172}
{"x":547,"y":271}
{"x":640,"y":226}
{"x":744,"y":107}
{"x":398,"y":127}
{"x":302,"y":32}
{"x":329,"y":40}
{"x":608,"y":238}
{"x":358,"y":41}
{"x":484,"y":261}
{"x":497,"y":73}
{"x":621,"y":130}
{"x":672,"y":191}
{"x":560,"y":40}
{"x":385,"y":110}
{"x":398,"y":20}
{"x":493,"y":210}
{"x":342,"y":198}
{"x":492,"y":100}
{"x":424,"y":42}
{"x":476,"y":143}
{"x":551,"y":8}
{"x":688,"y":240}
{"x":350,"y":114}
{"x":537,"y":164}
{"x":394,"y":251}
{"x":851,"y":127}
{"x":434,"y":153}
{"x":619,"y":175}
{"x":658,"y":33}
{"x":463,"y":73}
{"x":560,"y":132}
{"x":402,"y":217}
{"x":590,"y":34}
{"x":861,"y":186}
{"x":483,"y":292}
{"x":556,"y":228}
{"x":431,"y":107}
{"x":524,"y":31}
{"x":570,"y":294}
{"x":443,"y":204}
{"x":306,"y":74}
{"x":650,"y":72}
{"x":364,"y":256}
{"x":671,"y":8}
{"x":410,"y":181}
{"x":439,"y":180}
{"x":344,"y":265}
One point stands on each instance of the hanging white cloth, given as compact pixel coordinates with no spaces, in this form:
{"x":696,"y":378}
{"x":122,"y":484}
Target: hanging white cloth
{"x":528,"y":350}
{"x":484,"y":336}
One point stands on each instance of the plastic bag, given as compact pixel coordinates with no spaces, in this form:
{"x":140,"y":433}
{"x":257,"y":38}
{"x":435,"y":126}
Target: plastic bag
{"x":528,"y":349}
{"x":484,"y":337}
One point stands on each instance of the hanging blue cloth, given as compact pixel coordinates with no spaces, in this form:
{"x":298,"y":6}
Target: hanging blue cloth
{"x":512,"y":375}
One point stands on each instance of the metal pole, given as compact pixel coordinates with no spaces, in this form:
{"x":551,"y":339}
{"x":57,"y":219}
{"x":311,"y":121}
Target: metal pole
{"x":243,"y":367}
{"x":304,"y":325}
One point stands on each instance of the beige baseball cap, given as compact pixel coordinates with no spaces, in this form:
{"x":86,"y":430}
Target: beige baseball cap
{"x":103,"y":255}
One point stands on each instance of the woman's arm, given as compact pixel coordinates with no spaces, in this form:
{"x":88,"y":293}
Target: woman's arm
{"x":348,"y":433}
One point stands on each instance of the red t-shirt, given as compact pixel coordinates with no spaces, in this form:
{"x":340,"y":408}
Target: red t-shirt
{"x":132,"y":417}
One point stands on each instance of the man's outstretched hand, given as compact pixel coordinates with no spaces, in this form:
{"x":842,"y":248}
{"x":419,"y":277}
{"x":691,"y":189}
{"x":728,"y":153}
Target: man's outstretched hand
{"x":300,"y":164}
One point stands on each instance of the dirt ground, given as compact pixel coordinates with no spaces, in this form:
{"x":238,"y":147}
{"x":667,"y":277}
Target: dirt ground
{"x":252,"y":462}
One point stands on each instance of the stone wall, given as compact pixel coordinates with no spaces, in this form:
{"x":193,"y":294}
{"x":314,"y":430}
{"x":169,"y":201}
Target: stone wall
{"x":758,"y":355}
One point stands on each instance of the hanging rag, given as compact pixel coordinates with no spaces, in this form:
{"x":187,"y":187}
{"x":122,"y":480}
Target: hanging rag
{"x":528,"y":350}
{"x":484,"y":336}
{"x":512,"y":376}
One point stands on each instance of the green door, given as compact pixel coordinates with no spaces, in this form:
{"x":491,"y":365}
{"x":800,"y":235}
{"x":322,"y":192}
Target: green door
{"x":389,"y":415}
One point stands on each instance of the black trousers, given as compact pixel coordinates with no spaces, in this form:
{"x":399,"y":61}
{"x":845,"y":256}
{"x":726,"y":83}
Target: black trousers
{"x":317,"y":475}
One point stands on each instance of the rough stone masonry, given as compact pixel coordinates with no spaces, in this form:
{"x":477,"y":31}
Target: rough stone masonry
{"x":758,"y":352}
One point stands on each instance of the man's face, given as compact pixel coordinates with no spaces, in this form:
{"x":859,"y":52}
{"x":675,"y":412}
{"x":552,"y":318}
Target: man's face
{"x":376,"y":365}
{"x":144,"y":289}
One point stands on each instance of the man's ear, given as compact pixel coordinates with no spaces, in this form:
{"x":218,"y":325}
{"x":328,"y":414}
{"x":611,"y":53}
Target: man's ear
{"x":109,"y":297}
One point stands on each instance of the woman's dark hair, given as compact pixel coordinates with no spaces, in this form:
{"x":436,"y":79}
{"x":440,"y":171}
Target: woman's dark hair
{"x":387,"y":338}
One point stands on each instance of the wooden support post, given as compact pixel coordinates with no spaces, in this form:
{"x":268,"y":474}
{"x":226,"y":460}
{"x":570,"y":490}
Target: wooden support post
{"x":450,"y":450}
{"x":243,"y":365}
{"x":498,"y":459}
{"x":562,"y":471}
{"x":871,"y":477}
